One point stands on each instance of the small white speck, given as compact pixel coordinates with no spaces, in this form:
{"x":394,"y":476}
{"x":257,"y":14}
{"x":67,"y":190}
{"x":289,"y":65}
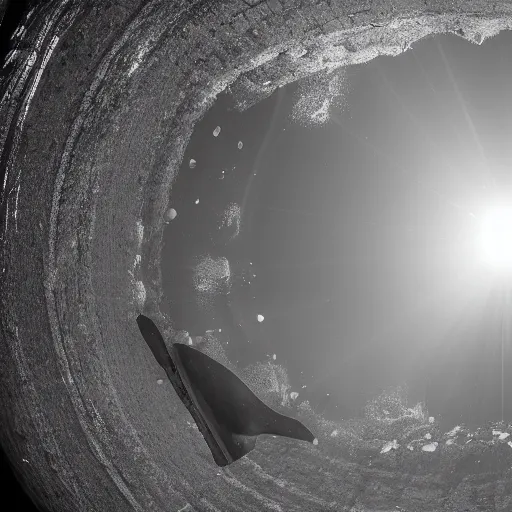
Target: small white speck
{"x":431,"y":419}
{"x":261,"y":318}
{"x":220,"y":330}
{"x":216,"y":131}
{"x":454,"y":430}
{"x":304,"y":386}
{"x":503,"y":435}
{"x":170,"y":214}
{"x":24,"y":460}
{"x":274,"y":357}
{"x":389,"y":446}
{"x":197,"y":201}
{"x":315,"y":441}
{"x":428,"y":436}
{"x":240,"y":144}
{"x":192,"y":163}
{"x":160,"y":382}
{"x":429,"y":447}
{"x":450,"y":441}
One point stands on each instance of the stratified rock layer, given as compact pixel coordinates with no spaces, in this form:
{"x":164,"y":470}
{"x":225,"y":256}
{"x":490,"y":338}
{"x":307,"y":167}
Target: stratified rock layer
{"x":97,"y":105}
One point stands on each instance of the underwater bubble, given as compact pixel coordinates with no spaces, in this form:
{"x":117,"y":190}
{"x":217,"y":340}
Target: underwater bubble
{"x":170,"y":214}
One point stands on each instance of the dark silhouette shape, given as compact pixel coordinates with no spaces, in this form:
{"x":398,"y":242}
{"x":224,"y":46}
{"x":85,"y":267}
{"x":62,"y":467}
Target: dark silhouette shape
{"x":228,"y":414}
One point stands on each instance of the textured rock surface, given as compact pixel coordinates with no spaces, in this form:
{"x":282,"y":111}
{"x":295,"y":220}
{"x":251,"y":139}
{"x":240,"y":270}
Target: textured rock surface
{"x":95,"y":114}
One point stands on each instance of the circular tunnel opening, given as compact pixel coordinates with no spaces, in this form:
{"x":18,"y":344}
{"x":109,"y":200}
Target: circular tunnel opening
{"x":330,"y":229}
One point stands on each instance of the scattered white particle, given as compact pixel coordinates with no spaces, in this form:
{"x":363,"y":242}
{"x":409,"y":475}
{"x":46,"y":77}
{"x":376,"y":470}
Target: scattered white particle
{"x":216,"y":131}
{"x":410,"y":447}
{"x":197,"y":201}
{"x":450,"y":441}
{"x":327,"y":394}
{"x":250,"y":262}
{"x":430,"y":447}
{"x":391,"y":445}
{"x":454,"y":431}
{"x":431,"y":419}
{"x":503,"y":436}
{"x":510,"y":444}
{"x":160,"y":382}
{"x":261,"y":318}
{"x":304,"y":386}
{"x":24,"y":460}
{"x":315,"y":441}
{"x":428,"y":436}
{"x":334,"y":433}
{"x":231,"y":217}
{"x":170,"y":214}
{"x":220,"y":330}
{"x":189,"y":340}
{"x":192,"y":163}
{"x":240,"y":144}
{"x":274,"y":357}
{"x":294,"y":395}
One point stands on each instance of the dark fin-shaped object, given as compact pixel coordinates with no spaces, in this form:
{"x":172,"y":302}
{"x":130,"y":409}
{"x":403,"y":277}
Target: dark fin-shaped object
{"x":228,"y":414}
{"x":157,"y":346}
{"x":155,"y":342}
{"x":234,"y":414}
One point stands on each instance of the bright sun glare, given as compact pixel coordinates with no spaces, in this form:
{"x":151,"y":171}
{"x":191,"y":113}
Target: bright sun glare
{"x":496,"y":237}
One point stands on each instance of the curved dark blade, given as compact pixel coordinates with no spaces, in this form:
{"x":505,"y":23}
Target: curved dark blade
{"x":228,"y":414}
{"x":155,"y":342}
{"x":233,"y":405}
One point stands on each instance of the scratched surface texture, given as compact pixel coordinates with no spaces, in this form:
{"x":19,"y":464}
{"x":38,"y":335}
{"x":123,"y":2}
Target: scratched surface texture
{"x":96,"y":109}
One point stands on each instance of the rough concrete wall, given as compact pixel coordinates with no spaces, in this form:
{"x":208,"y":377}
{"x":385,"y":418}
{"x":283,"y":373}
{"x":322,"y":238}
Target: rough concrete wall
{"x":93,"y":125}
